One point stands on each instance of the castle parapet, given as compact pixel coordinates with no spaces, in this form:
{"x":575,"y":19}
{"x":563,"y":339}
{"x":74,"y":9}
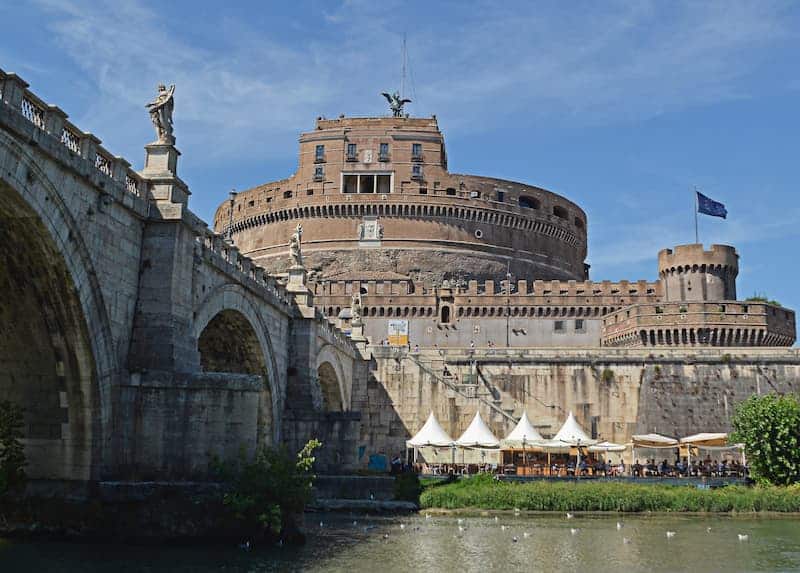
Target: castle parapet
{"x":690,"y":273}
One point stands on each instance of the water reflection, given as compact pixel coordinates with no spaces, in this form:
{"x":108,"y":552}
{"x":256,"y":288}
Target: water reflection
{"x":437,"y":544}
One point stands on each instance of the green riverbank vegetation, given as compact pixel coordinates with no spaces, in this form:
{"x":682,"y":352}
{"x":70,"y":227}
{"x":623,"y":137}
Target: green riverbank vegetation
{"x":485,"y":492}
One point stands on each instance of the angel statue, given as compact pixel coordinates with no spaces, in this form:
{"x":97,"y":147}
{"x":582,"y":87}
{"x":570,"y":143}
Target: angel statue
{"x":295,"y":256}
{"x":395,"y":103}
{"x":161,"y":113}
{"x":355,"y":308}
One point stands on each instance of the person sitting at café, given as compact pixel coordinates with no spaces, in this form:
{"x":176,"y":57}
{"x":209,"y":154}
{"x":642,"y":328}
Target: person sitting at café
{"x":583,"y":467}
{"x":621,"y":467}
{"x":664,"y":468}
{"x":637,"y":469}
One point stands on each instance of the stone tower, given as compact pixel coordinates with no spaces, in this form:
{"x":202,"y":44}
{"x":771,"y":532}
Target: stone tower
{"x":690,"y":273}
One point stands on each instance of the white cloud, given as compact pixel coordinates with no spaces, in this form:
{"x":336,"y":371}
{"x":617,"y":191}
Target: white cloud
{"x":578,"y":65}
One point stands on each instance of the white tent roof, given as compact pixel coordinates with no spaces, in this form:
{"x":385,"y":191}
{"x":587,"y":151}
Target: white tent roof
{"x":607,"y":447}
{"x":571,"y":433}
{"x":653,"y":440}
{"x":523,"y":433}
{"x":431,"y":434}
{"x":712,"y":439}
{"x":478,"y":434}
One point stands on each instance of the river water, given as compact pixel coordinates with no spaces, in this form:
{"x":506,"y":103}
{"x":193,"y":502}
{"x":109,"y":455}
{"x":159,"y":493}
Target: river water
{"x":379,"y":545}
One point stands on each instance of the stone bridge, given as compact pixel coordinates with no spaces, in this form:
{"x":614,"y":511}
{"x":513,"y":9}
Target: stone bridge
{"x":140,"y":344}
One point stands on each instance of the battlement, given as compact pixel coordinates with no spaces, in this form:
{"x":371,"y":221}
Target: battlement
{"x":731,"y":323}
{"x":417,"y":123}
{"x":694,"y":255}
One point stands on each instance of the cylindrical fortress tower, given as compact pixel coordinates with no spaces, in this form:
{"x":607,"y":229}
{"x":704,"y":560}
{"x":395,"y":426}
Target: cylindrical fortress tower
{"x":374,"y":194}
{"x":689,"y":273}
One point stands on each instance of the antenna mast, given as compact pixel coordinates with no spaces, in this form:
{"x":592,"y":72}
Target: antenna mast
{"x":403,"y":69}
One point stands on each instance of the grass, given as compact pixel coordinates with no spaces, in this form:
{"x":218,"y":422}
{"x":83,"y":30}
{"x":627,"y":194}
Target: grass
{"x":483,"y":492}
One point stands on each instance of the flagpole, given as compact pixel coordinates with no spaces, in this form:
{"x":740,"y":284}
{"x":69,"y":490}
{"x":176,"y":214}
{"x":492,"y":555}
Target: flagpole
{"x":696,"y":206}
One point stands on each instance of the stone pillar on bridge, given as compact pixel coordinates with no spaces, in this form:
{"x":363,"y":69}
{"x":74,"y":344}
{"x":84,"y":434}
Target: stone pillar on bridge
{"x":162,"y":337}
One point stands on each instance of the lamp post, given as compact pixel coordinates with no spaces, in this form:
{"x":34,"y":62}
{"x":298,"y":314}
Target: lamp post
{"x":231,"y":200}
{"x":508,"y":303}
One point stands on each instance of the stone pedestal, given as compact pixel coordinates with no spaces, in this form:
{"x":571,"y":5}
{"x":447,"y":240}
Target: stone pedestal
{"x":357,"y":336}
{"x":296,"y":286}
{"x":169,"y":193}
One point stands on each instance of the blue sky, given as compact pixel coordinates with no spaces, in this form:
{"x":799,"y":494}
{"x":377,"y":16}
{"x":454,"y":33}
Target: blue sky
{"x":622,"y":107}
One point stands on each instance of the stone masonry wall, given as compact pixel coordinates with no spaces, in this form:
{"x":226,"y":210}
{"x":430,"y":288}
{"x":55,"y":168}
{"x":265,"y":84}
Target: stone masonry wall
{"x":613,"y":394}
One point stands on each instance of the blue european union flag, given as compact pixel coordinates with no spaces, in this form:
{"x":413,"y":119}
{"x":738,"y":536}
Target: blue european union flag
{"x":710,"y":207}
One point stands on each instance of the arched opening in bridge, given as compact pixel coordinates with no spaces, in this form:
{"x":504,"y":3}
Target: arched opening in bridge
{"x":46,"y":362}
{"x":329,"y":383}
{"x":229,"y":344}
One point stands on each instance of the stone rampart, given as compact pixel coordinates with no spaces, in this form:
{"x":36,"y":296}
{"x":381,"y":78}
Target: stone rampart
{"x":614,"y":393}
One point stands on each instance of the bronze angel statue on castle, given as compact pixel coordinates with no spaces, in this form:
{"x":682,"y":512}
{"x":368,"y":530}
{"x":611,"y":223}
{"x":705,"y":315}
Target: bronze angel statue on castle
{"x":396,"y":103}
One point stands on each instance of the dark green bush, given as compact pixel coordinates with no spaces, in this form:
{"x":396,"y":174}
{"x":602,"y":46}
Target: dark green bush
{"x":407,"y":487}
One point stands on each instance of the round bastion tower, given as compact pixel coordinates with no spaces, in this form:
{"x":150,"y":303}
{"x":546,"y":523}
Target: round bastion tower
{"x":376,"y":201}
{"x":690,"y":273}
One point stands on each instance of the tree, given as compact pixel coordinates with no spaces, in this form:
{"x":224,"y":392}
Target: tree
{"x":268,"y":492}
{"x":769,"y":427}
{"x":12,"y":452}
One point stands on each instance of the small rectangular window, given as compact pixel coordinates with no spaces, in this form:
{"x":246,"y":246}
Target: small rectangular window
{"x":383,"y":152}
{"x":352,"y":151}
{"x":416,"y":171}
{"x":501,"y":196}
{"x":309,"y":191}
{"x":416,"y":151}
{"x":251,"y":203}
{"x":319,"y":154}
{"x":319,"y":173}
{"x":423,"y":190}
{"x":287,"y":194}
{"x":558,"y":326}
{"x":579,"y":325}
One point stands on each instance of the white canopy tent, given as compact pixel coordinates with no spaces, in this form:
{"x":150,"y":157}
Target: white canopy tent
{"x":572,"y":434}
{"x":523,"y":434}
{"x":478,"y":435}
{"x":431,"y":434}
{"x":713,"y":441}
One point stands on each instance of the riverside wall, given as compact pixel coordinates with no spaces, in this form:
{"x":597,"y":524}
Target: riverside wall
{"x":613,"y":393}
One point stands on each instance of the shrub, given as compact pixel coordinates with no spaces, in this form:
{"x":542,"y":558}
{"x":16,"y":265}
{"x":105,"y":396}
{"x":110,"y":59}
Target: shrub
{"x":483,"y":492}
{"x":769,"y":427}
{"x":407,"y":487}
{"x":12,"y":453}
{"x":268,"y":492}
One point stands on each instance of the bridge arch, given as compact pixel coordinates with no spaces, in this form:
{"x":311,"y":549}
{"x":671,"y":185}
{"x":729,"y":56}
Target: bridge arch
{"x":331,"y":379}
{"x":56,"y":354}
{"x":229,"y":319}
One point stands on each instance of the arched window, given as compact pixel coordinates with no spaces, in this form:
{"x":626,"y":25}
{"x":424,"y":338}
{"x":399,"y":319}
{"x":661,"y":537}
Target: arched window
{"x":445,"y":315}
{"x":528,"y":202}
{"x":560,"y":212}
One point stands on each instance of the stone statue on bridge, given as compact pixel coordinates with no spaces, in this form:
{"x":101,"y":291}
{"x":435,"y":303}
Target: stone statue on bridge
{"x":355,"y":308}
{"x":295,"y":255}
{"x":161,"y":113}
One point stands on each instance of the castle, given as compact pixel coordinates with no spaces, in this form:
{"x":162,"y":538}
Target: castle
{"x":345,"y":303}
{"x":455,"y":261}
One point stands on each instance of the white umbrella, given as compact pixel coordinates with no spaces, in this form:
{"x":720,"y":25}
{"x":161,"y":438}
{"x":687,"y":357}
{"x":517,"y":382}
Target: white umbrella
{"x":572,"y":434}
{"x":607,"y":447}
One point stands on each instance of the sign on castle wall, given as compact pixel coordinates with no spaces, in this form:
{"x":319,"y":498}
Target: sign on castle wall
{"x":398,"y":332}
{"x":370,"y":232}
